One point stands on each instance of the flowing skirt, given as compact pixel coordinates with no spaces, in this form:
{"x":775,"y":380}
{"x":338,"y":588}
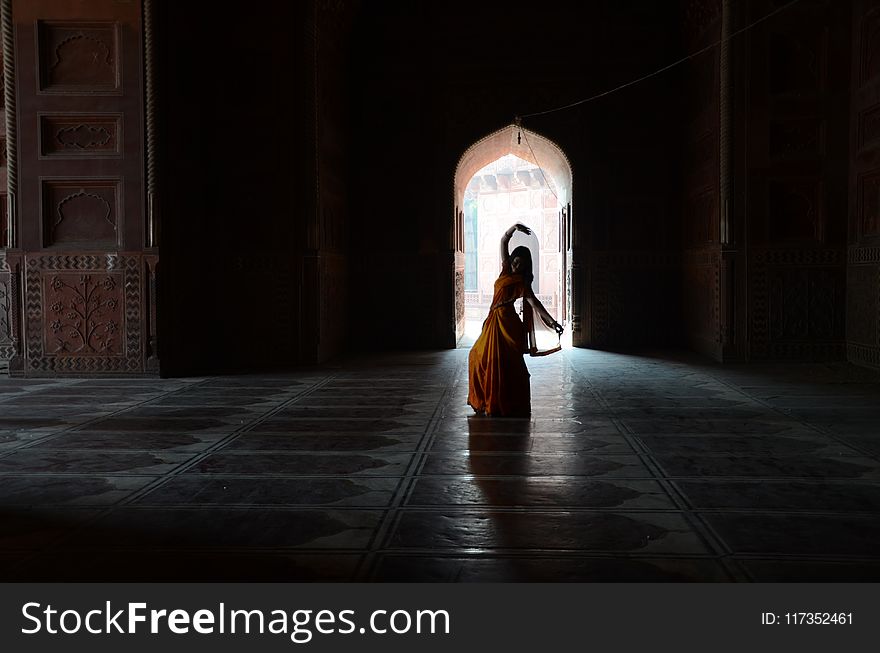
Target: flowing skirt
{"x":497,"y":373}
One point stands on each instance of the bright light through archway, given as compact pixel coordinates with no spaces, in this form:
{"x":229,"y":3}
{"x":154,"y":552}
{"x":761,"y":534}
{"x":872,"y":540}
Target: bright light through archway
{"x":506,"y":191}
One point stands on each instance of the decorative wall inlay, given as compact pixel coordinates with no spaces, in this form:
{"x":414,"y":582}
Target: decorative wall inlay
{"x":5,"y":309}
{"x":863,"y":255}
{"x":796,"y":138}
{"x":794,"y":210}
{"x":151,"y":302}
{"x":869,"y":203}
{"x":870,"y":54}
{"x":78,"y":57}
{"x":79,"y":135}
{"x":9,"y":294}
{"x":83,"y":314}
{"x":81,"y":211}
{"x":803,"y":257}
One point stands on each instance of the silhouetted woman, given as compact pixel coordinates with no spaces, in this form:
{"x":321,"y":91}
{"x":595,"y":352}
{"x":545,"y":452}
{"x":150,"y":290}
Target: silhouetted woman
{"x":497,"y":373}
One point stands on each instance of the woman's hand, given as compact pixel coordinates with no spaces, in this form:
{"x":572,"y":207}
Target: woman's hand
{"x":519,"y":226}
{"x":558,"y":328}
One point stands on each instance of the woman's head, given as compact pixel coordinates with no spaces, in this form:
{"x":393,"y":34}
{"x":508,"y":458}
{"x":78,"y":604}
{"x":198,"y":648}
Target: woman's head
{"x":521,"y":263}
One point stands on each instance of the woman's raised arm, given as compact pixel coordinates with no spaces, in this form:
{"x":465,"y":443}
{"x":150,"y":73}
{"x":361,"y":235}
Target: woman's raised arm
{"x":505,"y":243}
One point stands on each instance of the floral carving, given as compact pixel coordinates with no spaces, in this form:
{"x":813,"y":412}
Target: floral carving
{"x":84,"y":316}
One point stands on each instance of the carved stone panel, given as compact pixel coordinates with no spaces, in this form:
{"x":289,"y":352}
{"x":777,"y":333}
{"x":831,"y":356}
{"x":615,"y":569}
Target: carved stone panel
{"x":79,"y":57}
{"x":459,"y":300}
{"x":83,"y":212}
{"x":797,"y":307}
{"x":80,"y":135}
{"x":804,"y":304}
{"x":10,"y":294}
{"x":83,"y":314}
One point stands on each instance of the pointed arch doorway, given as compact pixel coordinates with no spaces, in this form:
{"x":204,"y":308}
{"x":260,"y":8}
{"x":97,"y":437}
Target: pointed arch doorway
{"x":510,"y":147}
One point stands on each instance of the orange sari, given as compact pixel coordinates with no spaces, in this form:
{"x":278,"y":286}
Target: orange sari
{"x":497,"y":373}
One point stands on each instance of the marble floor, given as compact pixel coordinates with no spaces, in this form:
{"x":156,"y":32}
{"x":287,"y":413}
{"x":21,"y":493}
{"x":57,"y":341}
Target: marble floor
{"x":632,"y":468}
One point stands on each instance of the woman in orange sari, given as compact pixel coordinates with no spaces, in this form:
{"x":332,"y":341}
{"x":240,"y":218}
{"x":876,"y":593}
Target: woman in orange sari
{"x":497,"y":373}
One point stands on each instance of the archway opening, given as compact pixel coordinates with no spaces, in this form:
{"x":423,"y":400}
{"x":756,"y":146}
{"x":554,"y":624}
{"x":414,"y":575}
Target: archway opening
{"x":504,"y":192}
{"x":512,"y":175}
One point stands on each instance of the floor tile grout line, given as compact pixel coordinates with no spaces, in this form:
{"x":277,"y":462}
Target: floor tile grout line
{"x":709,"y":538}
{"x":72,"y":429}
{"x":224,"y":441}
{"x":388,"y":525}
{"x":804,"y":423}
{"x":64,"y":537}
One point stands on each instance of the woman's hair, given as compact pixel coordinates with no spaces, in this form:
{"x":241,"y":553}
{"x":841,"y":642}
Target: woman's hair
{"x":523,"y":252}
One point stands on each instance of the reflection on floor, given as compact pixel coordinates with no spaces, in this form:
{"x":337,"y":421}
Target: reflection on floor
{"x":631,"y":468}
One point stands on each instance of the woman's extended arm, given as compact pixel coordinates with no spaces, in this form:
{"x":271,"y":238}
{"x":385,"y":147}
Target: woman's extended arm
{"x":505,"y":243}
{"x":538,"y":307}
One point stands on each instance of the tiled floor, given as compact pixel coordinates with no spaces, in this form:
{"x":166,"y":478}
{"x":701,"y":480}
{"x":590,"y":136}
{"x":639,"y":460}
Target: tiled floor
{"x":631,"y":468}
